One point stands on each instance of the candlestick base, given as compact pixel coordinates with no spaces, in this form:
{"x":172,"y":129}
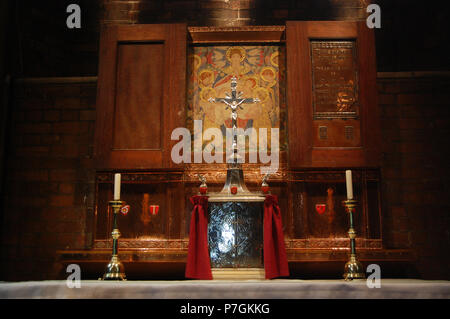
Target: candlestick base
{"x":353,"y":269}
{"x":114,"y":270}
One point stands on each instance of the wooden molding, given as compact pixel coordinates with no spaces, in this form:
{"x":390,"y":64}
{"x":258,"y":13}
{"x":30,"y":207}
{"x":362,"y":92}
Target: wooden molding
{"x":253,"y":34}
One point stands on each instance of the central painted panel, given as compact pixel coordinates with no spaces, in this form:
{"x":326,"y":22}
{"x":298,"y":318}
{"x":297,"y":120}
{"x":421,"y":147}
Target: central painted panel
{"x":260,"y":73}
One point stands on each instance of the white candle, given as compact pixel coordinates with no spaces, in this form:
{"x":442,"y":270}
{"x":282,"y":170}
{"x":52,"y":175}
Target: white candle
{"x":348,"y":178}
{"x":116,"y":186}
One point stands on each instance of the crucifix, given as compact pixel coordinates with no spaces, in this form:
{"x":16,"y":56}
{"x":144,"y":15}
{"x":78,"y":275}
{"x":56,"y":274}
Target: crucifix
{"x":234,"y":102}
{"x":235,"y":177}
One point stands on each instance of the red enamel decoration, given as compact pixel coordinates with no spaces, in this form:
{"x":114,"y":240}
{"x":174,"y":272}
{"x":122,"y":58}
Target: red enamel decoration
{"x":203,"y":190}
{"x":320,"y":208}
{"x":233,"y":190}
{"x":125,"y":209}
{"x":154,"y":209}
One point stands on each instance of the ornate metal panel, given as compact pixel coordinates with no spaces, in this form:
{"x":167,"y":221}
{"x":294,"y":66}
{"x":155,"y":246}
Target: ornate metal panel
{"x":235,"y":233}
{"x":335,"y":79}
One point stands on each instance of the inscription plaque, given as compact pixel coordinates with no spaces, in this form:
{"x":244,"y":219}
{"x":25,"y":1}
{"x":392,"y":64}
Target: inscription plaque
{"x":335,"y":79}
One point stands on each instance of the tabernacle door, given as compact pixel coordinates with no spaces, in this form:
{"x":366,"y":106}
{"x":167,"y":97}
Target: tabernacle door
{"x":141,"y":95}
{"x":333,"y":116}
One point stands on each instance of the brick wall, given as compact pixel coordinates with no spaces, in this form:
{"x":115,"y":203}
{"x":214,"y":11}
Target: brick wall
{"x":415,"y":119}
{"x":229,"y":12}
{"x":40,"y":44}
{"x":49,"y":187}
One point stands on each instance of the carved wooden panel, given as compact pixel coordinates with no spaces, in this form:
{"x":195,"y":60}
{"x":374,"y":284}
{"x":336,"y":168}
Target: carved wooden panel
{"x":140,"y":95}
{"x":331,"y":95}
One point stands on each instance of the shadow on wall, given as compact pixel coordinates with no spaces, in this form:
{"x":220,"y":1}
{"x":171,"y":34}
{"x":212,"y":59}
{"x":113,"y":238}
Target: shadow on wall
{"x":41,"y":44}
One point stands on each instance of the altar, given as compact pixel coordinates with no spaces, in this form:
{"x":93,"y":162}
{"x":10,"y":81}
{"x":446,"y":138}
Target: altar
{"x":302,"y":96}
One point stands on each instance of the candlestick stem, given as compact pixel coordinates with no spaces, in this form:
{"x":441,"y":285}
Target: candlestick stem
{"x":353,"y":268}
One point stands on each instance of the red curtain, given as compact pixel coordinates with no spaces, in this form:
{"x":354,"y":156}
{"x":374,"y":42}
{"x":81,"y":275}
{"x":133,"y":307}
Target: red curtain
{"x":275,"y":259}
{"x":198,"y":263}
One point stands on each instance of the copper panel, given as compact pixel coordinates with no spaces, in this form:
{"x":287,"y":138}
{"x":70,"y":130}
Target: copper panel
{"x":139,"y":93}
{"x":373,"y":203}
{"x":138,"y":223}
{"x":102,"y":224}
{"x":334,"y":79}
{"x":235,"y":233}
{"x":318,"y":213}
{"x":333,"y":222}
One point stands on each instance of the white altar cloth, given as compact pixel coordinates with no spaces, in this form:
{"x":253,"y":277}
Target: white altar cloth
{"x":251,"y":289}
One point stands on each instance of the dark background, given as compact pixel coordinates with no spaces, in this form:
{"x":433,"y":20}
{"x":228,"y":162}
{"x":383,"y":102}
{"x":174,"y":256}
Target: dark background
{"x":47,"y":126}
{"x":414,"y":34}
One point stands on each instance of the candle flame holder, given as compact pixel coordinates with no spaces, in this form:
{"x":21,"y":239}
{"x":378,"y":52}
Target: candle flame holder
{"x":353,"y":268}
{"x":115,"y":269}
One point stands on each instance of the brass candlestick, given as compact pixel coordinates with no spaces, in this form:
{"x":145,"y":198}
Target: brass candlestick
{"x":115,"y":269}
{"x":353,"y":268}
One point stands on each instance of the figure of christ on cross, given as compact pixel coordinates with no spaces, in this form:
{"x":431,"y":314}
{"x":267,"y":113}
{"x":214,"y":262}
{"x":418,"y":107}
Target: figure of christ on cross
{"x":234,"y":101}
